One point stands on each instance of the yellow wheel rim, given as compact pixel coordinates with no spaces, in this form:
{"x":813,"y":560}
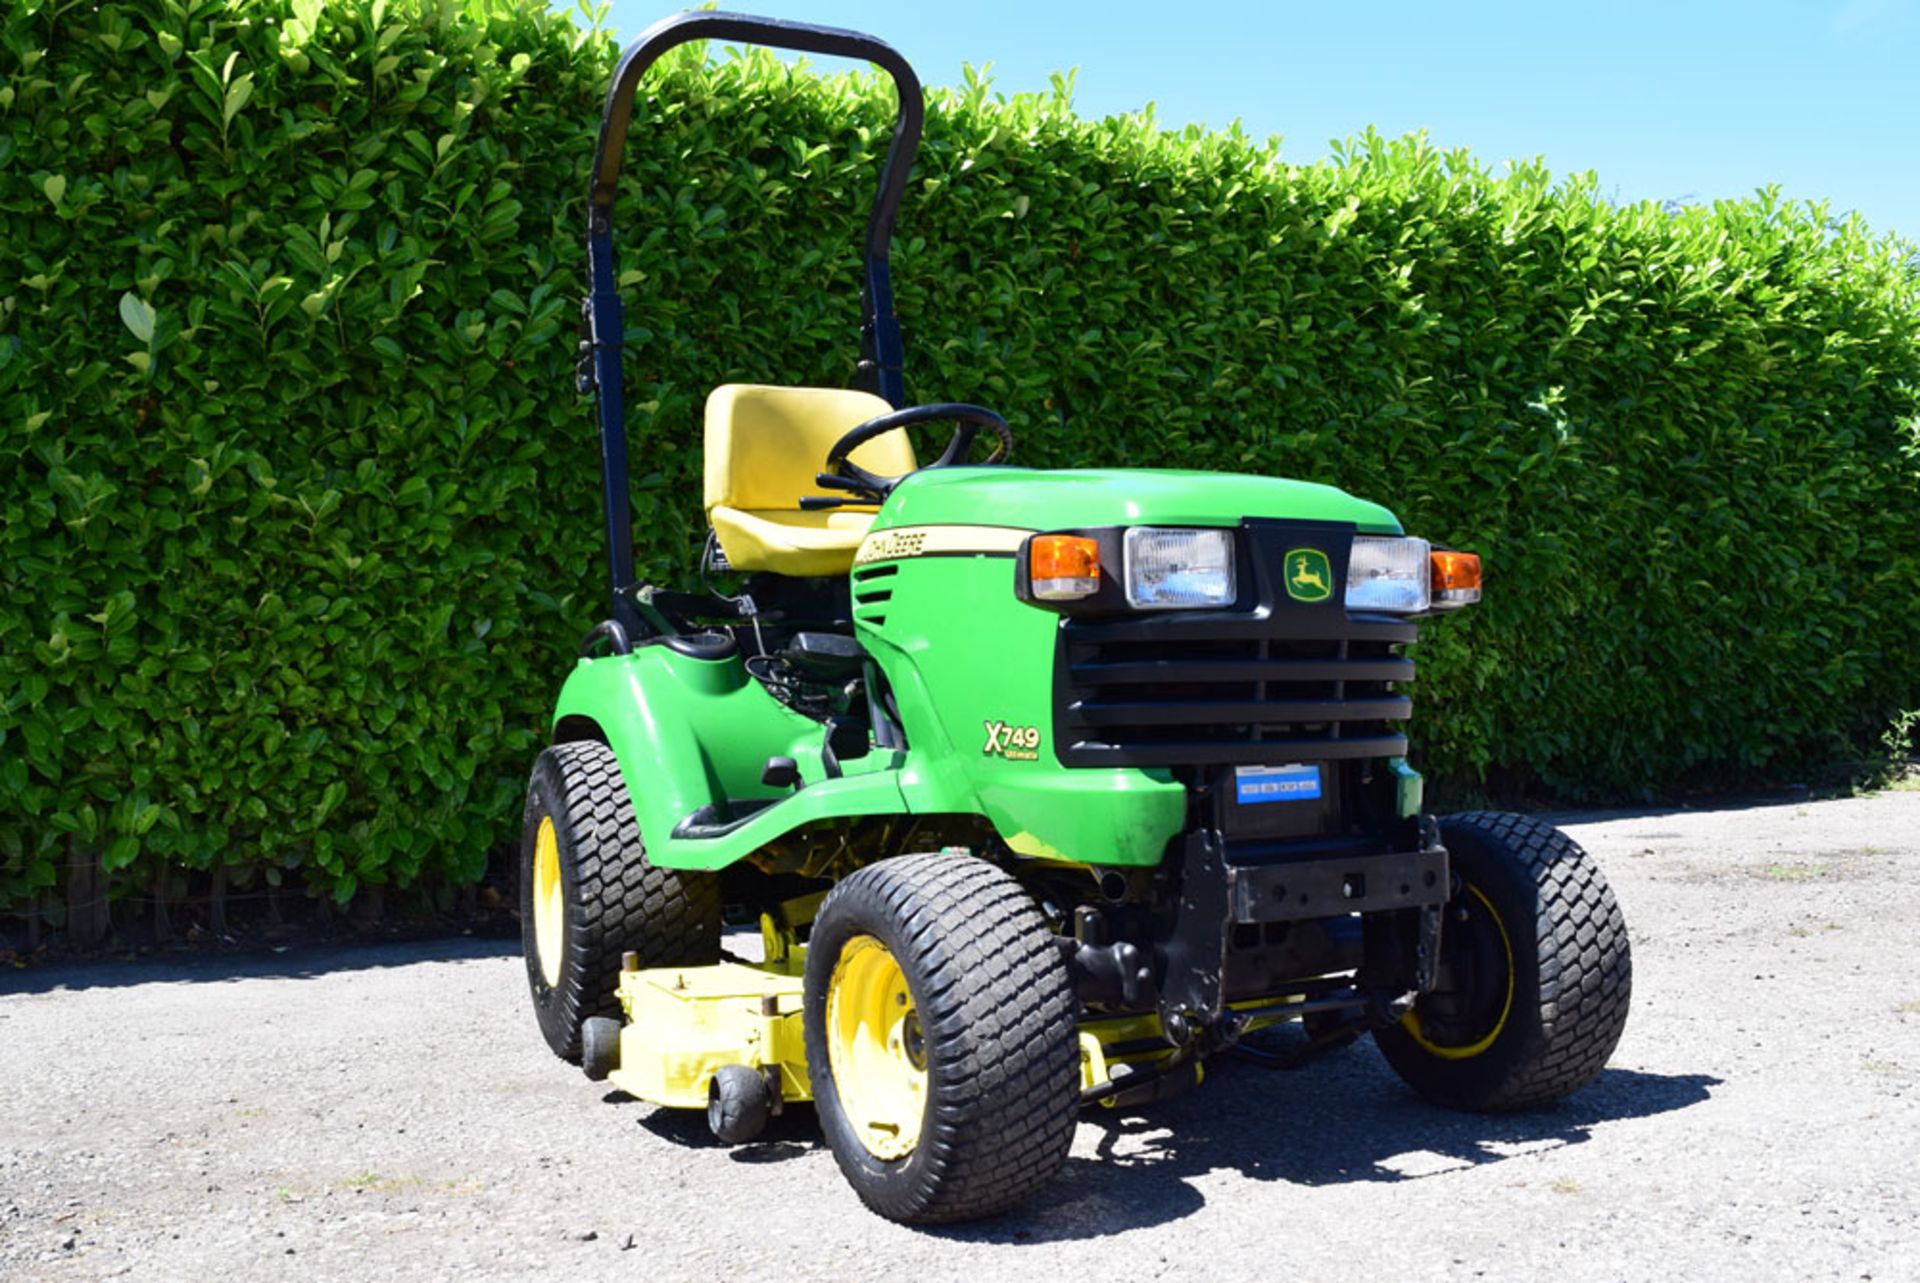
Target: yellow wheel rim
{"x":1411,"y":1021}
{"x":876,"y":1049}
{"x":549,"y":907}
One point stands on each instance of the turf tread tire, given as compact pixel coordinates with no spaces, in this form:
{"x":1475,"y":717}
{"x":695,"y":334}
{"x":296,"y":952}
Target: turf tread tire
{"x":1572,"y":986}
{"x":616,"y":901}
{"x":997,"y":1009}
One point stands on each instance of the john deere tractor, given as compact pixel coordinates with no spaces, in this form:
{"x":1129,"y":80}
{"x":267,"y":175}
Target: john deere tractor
{"x":1042,"y":788}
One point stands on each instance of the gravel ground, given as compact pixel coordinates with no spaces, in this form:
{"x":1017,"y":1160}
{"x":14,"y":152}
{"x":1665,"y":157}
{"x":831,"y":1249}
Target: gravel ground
{"x":390,"y":1113}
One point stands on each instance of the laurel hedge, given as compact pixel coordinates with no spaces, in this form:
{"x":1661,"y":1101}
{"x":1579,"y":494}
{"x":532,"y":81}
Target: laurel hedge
{"x":300,"y":518}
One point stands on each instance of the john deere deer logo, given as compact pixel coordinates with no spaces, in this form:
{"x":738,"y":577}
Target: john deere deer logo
{"x":1309,"y":576}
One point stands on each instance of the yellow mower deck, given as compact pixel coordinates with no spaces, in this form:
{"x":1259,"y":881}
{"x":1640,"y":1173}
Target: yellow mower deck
{"x":685,"y":1023}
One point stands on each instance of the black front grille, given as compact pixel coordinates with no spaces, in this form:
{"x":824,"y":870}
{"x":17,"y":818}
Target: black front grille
{"x":1276,"y":681}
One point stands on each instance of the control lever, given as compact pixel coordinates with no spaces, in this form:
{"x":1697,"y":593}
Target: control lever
{"x":832,"y":481}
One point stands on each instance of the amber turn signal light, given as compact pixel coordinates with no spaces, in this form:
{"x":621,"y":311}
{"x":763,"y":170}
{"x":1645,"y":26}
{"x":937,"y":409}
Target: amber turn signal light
{"x":1063,"y":567}
{"x":1456,"y":579}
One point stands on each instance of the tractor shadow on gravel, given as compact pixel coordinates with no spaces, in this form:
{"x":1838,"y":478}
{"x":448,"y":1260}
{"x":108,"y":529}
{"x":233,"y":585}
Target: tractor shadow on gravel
{"x":793,"y":1133}
{"x":1343,"y":1119}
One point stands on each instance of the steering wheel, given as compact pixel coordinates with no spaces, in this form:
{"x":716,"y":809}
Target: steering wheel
{"x":844,"y":474}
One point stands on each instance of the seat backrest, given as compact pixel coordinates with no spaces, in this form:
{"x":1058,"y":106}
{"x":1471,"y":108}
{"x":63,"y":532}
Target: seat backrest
{"x":765,"y":445}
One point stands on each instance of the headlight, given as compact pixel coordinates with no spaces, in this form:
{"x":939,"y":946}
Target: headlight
{"x":1172,"y":568}
{"x":1389,"y":574}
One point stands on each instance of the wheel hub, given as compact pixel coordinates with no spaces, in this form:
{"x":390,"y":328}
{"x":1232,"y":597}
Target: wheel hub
{"x":549,"y":903}
{"x":876,"y":1049}
{"x":1467,"y":1011}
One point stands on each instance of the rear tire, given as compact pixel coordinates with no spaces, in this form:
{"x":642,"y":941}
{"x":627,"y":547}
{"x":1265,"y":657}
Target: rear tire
{"x":1536,"y":973}
{"x":587,"y":894}
{"x":940,"y":1038}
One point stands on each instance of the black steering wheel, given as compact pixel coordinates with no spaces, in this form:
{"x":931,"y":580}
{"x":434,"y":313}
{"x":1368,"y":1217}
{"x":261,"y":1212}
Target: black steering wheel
{"x":844,"y":474}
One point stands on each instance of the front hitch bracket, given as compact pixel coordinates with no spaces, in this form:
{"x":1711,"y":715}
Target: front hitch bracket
{"x":1218,"y":892}
{"x":1194,"y":952}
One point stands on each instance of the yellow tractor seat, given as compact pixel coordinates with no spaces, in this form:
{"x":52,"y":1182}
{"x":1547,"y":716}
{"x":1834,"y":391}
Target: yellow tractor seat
{"x":764,"y":447}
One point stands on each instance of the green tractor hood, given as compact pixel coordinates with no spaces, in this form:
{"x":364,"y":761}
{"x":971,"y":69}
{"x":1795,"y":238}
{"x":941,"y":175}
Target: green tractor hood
{"x":1074,"y":498}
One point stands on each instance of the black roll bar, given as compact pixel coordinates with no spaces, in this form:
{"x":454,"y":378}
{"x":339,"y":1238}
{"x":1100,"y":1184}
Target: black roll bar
{"x":603,"y":321}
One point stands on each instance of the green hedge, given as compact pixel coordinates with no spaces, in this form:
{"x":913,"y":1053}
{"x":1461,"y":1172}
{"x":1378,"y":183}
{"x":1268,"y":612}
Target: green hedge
{"x":300,"y":525}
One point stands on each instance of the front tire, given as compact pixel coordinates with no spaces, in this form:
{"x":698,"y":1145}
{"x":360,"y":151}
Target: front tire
{"x":1536,"y":974}
{"x":587,"y":894}
{"x":940,"y":1038}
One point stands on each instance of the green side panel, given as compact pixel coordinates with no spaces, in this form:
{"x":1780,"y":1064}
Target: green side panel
{"x":971,"y":668}
{"x":691,"y":733}
{"x":1069,"y":498}
{"x":1409,"y":789}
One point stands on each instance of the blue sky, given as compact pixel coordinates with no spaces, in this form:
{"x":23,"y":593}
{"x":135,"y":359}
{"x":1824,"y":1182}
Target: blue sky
{"x":1676,"y":100}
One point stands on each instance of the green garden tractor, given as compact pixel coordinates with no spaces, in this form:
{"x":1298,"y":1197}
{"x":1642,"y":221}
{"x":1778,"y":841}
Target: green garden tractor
{"x":1041,"y":787}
